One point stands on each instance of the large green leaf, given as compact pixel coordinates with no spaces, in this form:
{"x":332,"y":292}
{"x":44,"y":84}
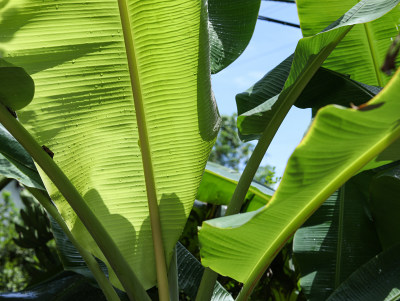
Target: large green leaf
{"x":336,"y":240}
{"x":16,"y":163}
{"x":339,"y":142}
{"x":378,"y":279}
{"x":231,"y":27}
{"x":219,"y":183}
{"x":84,"y":110}
{"x":267,"y":108}
{"x":362,"y":52}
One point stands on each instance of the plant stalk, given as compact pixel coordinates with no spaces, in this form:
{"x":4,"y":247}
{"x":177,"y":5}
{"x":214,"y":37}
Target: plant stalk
{"x":110,"y":250}
{"x":92,"y":264}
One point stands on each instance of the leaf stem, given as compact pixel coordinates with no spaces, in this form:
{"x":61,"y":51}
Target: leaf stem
{"x":104,"y":283}
{"x":155,"y":221}
{"x":107,"y":245}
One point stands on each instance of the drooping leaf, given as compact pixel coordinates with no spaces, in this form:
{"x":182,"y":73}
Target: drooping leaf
{"x":84,"y":110}
{"x":339,"y":142}
{"x":16,"y":86}
{"x":336,"y":240}
{"x":219,"y":183}
{"x":230,"y":29}
{"x":16,"y":163}
{"x":378,"y":279}
{"x":267,"y":108}
{"x":329,"y":87}
{"x":362,"y":52}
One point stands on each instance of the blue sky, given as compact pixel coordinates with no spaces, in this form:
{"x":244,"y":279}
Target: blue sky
{"x":270,"y":44}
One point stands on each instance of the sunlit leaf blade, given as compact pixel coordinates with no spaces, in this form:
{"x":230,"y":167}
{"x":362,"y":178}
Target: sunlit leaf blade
{"x":190,"y":272}
{"x":378,"y":279}
{"x":385,"y":205}
{"x":336,"y":240}
{"x":339,"y":142}
{"x":219,"y":183}
{"x":84,"y":113}
{"x":16,"y":163}
{"x":309,"y":55}
{"x":362,"y":52}
{"x":230,"y":28}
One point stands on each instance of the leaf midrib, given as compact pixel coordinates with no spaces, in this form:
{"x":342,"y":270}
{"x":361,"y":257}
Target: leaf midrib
{"x":155,"y":221}
{"x":374,"y":57}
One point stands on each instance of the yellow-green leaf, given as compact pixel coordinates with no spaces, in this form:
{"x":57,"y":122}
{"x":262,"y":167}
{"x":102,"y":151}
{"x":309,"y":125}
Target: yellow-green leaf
{"x":362,"y":52}
{"x":84,"y":109}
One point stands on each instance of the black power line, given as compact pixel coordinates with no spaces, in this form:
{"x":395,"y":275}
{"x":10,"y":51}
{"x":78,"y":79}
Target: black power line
{"x":278,"y":21}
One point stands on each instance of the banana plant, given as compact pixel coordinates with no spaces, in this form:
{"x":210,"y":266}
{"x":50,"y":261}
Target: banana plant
{"x":123,"y":120}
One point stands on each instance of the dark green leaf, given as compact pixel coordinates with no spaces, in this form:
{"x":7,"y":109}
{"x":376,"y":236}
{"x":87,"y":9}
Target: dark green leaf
{"x":65,"y":286}
{"x":230,"y":29}
{"x":69,"y":255}
{"x":16,"y":163}
{"x":385,"y":205}
{"x":377,"y":280}
{"x":190,"y":272}
{"x":336,"y":240}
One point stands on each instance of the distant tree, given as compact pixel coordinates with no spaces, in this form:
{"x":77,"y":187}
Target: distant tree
{"x":231,"y":152}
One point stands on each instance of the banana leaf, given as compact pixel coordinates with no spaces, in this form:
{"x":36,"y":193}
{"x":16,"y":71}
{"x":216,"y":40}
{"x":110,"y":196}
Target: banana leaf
{"x":385,"y":205}
{"x":230,"y":29}
{"x":336,"y":240}
{"x":219,"y":183}
{"x":378,"y":279}
{"x":362,"y":52}
{"x":64,"y":286}
{"x":86,"y":113}
{"x":16,"y":163}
